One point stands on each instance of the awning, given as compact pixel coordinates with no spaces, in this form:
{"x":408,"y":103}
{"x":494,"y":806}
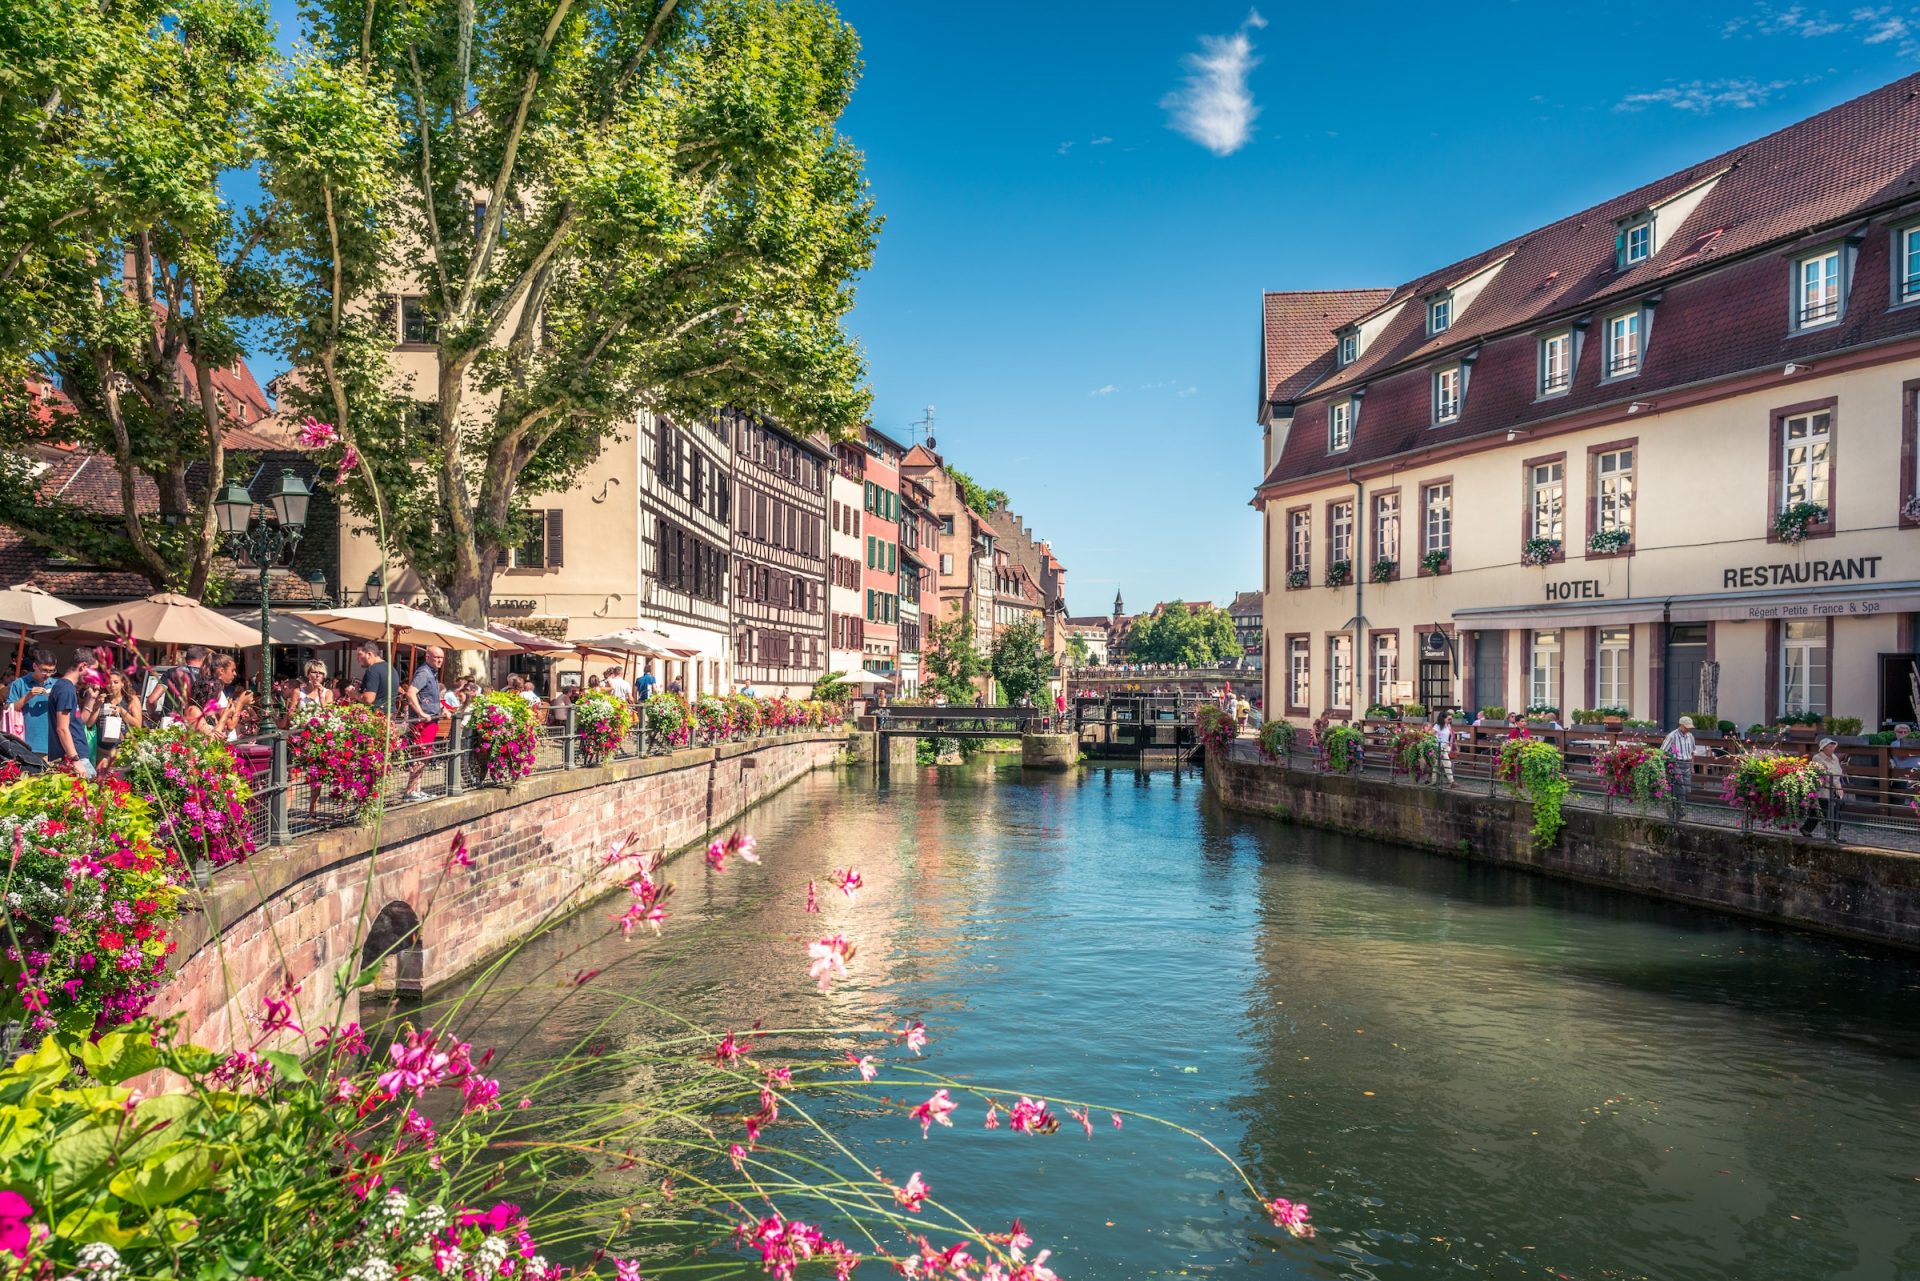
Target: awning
{"x":1834,"y":600}
{"x":1573,"y":613}
{"x":531,"y":642}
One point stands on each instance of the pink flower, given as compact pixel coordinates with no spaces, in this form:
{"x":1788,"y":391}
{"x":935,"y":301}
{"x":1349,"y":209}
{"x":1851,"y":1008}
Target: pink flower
{"x":1028,"y":1117}
{"x":830,"y":956}
{"x":729,"y":1050}
{"x":813,"y":900}
{"x":739,"y":843}
{"x":913,"y":1194}
{"x":15,"y":1234}
{"x":457,"y":853}
{"x":913,"y":1035}
{"x":626,"y":1270}
{"x":863,"y":1064}
{"x":417,"y":1066}
{"x":737,"y":1155}
{"x":1291,"y":1215}
{"x":849,"y":882}
{"x":993,"y":1117}
{"x":348,"y":461}
{"x":937,"y":1108}
{"x":279,"y":1015}
{"x":1086,"y":1122}
{"x":1116,"y":1120}
{"x":315,"y":434}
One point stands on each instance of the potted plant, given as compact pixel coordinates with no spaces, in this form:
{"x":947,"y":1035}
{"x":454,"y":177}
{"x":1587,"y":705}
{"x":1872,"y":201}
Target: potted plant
{"x":1778,"y":789}
{"x":1339,"y":573}
{"x":1705,"y":724}
{"x":1637,"y":771}
{"x":1539,"y":551}
{"x":1385,"y":570}
{"x":1792,"y":524}
{"x":1542,"y":715}
{"x":1414,"y":711}
{"x":1607,"y":541}
{"x":1493,"y":713}
{"x":1801,"y":726}
{"x":1298,"y":578}
{"x":1910,"y":510}
{"x":1844,"y":728}
{"x":1434,"y":562}
{"x":1381,"y":712}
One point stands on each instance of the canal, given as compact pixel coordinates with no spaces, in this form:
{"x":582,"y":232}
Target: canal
{"x":1465,"y":1071}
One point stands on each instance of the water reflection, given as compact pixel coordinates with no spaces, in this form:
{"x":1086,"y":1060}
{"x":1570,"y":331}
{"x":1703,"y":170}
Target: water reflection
{"x":1464,"y":1070}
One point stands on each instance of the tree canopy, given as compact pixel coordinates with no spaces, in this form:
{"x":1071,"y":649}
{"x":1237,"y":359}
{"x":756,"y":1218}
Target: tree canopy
{"x":1188,"y":637}
{"x":984,"y":501}
{"x":588,"y":212}
{"x":1020,"y":665}
{"x":127,"y":277}
{"x":949,"y":659}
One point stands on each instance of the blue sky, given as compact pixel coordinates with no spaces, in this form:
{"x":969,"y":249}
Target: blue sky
{"x":1084,"y":202}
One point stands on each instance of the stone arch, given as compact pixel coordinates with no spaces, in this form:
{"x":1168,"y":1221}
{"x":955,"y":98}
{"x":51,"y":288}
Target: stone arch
{"x":395,"y":929}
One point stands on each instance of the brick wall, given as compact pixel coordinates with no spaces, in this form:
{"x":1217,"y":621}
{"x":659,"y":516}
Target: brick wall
{"x":1859,"y":893}
{"x":538,"y":850}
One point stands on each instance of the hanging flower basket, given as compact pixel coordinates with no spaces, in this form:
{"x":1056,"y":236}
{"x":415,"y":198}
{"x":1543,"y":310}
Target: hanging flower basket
{"x":505,"y":733}
{"x":1214,"y":727}
{"x":1339,"y":573}
{"x":197,"y":792}
{"x":1342,"y":749}
{"x":669,"y":719}
{"x":602,"y":721}
{"x":1609,"y":540}
{"x":1415,"y":752}
{"x":1536,"y":768}
{"x":1384,"y":570}
{"x":1434,"y":562}
{"x":715,"y":716}
{"x":1539,"y":551}
{"x":1275,"y":741}
{"x":1638,"y":772}
{"x":341,"y":750}
{"x":1777,"y":789}
{"x":1793,"y":524}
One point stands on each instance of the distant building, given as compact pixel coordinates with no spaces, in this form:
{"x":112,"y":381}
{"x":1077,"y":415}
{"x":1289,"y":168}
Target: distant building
{"x":686,"y":516}
{"x":965,"y":559}
{"x":919,"y":553}
{"x":880,"y":579}
{"x":845,"y":541}
{"x":1092,"y":632}
{"x":1248,"y":623}
{"x":780,"y":555}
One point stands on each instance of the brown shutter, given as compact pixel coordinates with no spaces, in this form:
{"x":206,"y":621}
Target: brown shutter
{"x":556,"y":539}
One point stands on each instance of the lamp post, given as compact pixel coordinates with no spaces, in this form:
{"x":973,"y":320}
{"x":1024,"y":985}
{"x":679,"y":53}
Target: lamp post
{"x":263,"y":544}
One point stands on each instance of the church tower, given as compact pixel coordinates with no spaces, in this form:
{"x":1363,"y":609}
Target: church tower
{"x":1119,"y":608}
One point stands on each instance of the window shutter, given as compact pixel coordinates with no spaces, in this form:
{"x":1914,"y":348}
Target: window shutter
{"x":556,"y":539}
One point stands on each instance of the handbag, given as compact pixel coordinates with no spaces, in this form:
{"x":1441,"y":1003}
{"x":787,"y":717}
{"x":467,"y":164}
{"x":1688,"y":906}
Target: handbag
{"x":14,"y":722}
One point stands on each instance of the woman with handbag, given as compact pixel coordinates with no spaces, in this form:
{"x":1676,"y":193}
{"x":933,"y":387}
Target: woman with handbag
{"x":119,"y":712}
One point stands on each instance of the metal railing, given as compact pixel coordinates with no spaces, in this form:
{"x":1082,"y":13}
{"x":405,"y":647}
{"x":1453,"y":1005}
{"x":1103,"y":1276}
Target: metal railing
{"x":1875,"y":803}
{"x":287,"y":806}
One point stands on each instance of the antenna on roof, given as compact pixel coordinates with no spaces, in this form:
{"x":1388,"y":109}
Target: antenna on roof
{"x":926,"y":422}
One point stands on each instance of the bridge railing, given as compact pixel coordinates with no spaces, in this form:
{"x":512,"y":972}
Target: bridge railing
{"x":925,"y":719}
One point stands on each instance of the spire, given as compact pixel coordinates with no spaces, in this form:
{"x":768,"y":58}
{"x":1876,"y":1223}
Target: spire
{"x":1119,"y":608}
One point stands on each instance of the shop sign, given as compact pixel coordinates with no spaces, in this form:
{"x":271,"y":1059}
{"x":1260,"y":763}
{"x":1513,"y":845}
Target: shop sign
{"x":528,"y":605}
{"x":1845,"y":569}
{"x":1576,"y":589}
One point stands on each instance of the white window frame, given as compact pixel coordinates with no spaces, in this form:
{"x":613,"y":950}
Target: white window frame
{"x":1348,"y":349}
{"x":1340,"y":671}
{"x":1627,"y":256}
{"x":1819,"y":289}
{"x":1386,"y":527}
{"x":1906,"y":266}
{"x":1440,"y":314}
{"x":1803,"y":665}
{"x":1437,"y":519}
{"x":1556,"y":376}
{"x":1547,"y":481}
{"x":1300,"y":541}
{"x":1339,"y":426}
{"x":1613,"y":490}
{"x":1613,"y":667}
{"x":1543,"y":677}
{"x":1386,"y":664}
{"x":1626,"y":322}
{"x":1300,"y":672}
{"x":1808,"y":478}
{"x":1340,"y":532}
{"x":1447,"y":390}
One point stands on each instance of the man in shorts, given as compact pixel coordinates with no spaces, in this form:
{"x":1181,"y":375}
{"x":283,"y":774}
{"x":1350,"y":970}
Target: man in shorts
{"x":423,"y":713}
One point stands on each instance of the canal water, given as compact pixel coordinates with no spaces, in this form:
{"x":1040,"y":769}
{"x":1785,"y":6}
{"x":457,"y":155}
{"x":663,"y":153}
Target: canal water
{"x":1465,"y":1072}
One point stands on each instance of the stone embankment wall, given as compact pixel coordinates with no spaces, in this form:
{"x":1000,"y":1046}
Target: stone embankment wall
{"x":1859,"y":893}
{"x":320,"y":907}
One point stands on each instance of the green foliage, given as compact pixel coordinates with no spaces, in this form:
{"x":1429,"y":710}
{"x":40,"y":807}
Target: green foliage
{"x":1434,"y":562}
{"x":1078,"y":650}
{"x":1275,"y":740}
{"x":1536,"y":768}
{"x":1183,"y":636}
{"x":949,"y":660}
{"x":1020,"y":665}
{"x":1339,"y":573}
{"x":1493,"y":713}
{"x":831,"y":688}
{"x":1415,"y":751}
{"x":1792,"y":524}
{"x":1382,"y":712}
{"x":672,"y":223}
{"x":122,"y":120}
{"x":1342,"y":745}
{"x":1838,"y":725}
{"x":984,"y":501}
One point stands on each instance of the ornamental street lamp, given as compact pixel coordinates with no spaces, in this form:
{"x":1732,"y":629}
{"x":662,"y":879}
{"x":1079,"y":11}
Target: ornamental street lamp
{"x":263,"y":544}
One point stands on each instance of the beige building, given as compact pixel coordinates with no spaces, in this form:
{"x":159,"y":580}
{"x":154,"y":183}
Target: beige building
{"x":1573,"y":470}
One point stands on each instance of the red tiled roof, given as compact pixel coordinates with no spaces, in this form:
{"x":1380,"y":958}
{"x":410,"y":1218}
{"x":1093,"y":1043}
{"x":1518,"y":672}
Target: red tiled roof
{"x":1296,"y":329}
{"x":1722,"y":288}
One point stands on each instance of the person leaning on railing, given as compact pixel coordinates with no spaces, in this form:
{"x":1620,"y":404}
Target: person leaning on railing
{"x":1833,"y":781}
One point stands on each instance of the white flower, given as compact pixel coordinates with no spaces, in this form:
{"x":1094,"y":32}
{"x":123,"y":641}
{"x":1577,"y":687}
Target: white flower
{"x":430,"y":1220}
{"x":451,"y":1261}
{"x":491,"y":1254}
{"x":374,"y":1269}
{"x":97,"y":1261}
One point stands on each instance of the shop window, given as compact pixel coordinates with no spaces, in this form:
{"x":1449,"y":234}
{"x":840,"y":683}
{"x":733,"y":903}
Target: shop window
{"x":1340,"y":672}
{"x":1613,"y":668}
{"x":1543,"y":680}
{"x":1803,"y":666}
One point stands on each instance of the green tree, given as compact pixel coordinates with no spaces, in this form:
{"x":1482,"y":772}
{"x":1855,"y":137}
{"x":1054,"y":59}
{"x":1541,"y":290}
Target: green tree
{"x":949,"y":659}
{"x":1189,"y":637}
{"x":984,"y":501}
{"x":127,"y":278}
{"x":593,"y":211}
{"x":1078,"y":650}
{"x":1019,"y":663}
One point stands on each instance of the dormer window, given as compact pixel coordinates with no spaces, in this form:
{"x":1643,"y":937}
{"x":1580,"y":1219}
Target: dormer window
{"x":1623,"y":345}
{"x":1816,"y":290}
{"x":1446,"y":394}
{"x":1339,"y":426}
{"x":1439,"y":313}
{"x":1636,"y":242}
{"x":1349,"y":350}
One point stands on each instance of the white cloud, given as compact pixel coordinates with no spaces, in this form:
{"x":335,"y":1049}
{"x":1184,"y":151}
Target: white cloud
{"x":1895,"y":25}
{"x":1107,"y":390}
{"x":1101,"y":141}
{"x":1191,"y":391}
{"x":1063,"y":149}
{"x":1213,"y":106}
{"x":1703,"y":96}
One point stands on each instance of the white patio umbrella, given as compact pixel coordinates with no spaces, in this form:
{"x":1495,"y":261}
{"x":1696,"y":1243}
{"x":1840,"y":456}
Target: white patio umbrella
{"x":402,"y":625}
{"x":164,"y":618}
{"x":24,"y":605}
{"x":631,"y":640}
